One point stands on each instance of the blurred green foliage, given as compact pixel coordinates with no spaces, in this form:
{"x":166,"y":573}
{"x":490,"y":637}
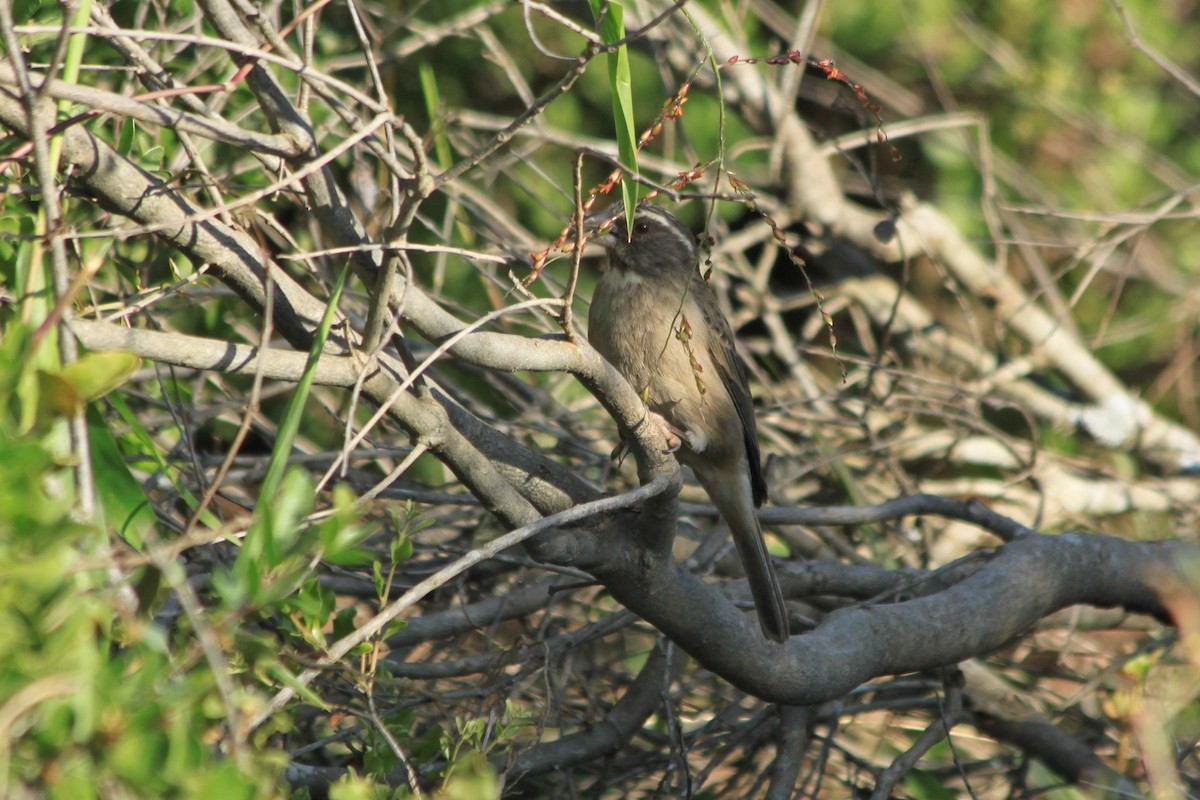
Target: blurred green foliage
{"x":94,"y":703}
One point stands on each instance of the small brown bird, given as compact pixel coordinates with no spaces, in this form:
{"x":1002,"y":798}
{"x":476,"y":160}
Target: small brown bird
{"x":656,"y":320}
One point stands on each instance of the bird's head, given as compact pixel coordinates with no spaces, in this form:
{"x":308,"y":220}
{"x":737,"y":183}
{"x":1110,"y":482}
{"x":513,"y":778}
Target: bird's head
{"x":658,"y":242}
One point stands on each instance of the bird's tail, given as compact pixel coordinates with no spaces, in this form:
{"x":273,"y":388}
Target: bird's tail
{"x":735,"y":500}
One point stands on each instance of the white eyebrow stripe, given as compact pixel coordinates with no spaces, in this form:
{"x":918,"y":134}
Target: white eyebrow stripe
{"x":665,"y":218}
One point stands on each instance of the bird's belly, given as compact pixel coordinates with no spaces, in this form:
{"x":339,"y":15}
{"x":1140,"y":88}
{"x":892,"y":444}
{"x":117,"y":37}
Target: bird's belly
{"x":675,"y":374}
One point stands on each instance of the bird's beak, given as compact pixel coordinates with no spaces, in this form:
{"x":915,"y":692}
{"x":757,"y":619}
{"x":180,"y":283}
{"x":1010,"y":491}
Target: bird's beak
{"x":602,"y":222}
{"x":599,"y":227}
{"x":605,"y":241}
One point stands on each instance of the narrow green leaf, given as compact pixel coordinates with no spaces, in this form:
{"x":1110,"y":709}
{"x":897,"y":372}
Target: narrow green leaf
{"x":295,"y":407}
{"x":284,"y":676}
{"x":72,"y":66}
{"x":271,"y":517}
{"x":612,"y":29}
{"x":125,"y":141}
{"x":433,"y":102}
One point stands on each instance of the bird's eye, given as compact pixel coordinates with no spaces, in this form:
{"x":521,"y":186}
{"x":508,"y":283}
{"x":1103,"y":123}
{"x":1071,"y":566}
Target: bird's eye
{"x":641,"y":227}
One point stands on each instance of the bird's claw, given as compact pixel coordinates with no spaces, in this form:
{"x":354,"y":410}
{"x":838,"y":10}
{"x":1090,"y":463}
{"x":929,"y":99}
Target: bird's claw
{"x":675,"y":436}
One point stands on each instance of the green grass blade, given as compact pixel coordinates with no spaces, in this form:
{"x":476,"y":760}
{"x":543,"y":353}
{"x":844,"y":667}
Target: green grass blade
{"x":612,"y":29}
{"x":286,"y":436}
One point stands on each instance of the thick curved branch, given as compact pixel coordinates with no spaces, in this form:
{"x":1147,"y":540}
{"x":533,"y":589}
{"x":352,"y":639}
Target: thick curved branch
{"x":1030,"y":578}
{"x":393,"y":609}
{"x":1021,"y":582}
{"x":1036,"y":573}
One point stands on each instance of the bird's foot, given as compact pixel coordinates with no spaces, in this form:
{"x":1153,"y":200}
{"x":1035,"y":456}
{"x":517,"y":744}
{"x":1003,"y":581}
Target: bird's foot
{"x":675,"y":436}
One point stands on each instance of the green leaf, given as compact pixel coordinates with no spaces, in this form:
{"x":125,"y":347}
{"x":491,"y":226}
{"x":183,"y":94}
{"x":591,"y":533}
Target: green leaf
{"x":353,"y":787}
{"x":295,"y":407}
{"x":278,"y":551}
{"x":223,"y":780}
{"x":394,"y":627}
{"x":314,"y":602}
{"x":343,"y":622}
{"x":26,"y":10}
{"x":472,"y":778}
{"x":433,"y":103}
{"x":57,"y":398}
{"x":612,"y":29}
{"x":96,"y":374}
{"x":342,"y":531}
{"x":66,"y":392}
{"x":128,"y":131}
{"x":281,"y":674}
{"x":926,"y":786}
{"x":377,"y":572}
{"x":401,"y":549}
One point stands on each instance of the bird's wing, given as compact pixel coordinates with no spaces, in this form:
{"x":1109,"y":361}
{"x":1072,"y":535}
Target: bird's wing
{"x":736,"y":380}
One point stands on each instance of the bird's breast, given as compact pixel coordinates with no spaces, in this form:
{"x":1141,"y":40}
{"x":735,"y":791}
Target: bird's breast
{"x":635,"y":323}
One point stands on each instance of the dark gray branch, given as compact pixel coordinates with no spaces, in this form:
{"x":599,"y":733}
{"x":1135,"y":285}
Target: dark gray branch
{"x":614,"y":732}
{"x":1070,"y":758}
{"x":1020,"y":583}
